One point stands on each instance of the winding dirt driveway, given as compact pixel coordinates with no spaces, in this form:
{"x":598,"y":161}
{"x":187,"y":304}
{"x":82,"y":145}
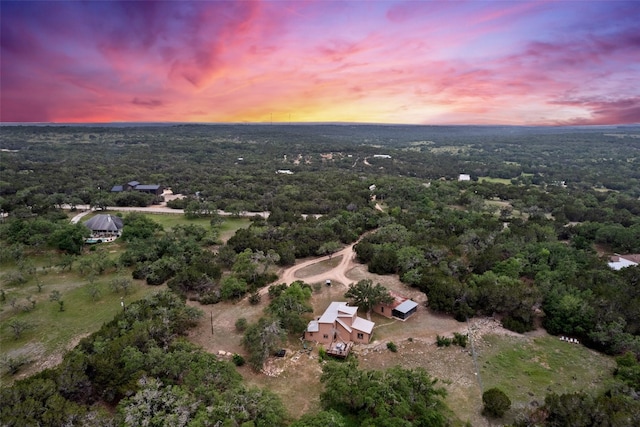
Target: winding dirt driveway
{"x":337,"y":274}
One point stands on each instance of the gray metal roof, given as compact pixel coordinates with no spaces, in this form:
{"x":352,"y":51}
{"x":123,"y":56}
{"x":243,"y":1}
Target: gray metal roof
{"x":147,"y":187}
{"x":406,"y":306}
{"x":104,"y":222}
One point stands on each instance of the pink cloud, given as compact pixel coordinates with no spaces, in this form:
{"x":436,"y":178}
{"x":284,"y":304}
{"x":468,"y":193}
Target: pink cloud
{"x":602,"y":112}
{"x":466,"y":62}
{"x":148,"y":103}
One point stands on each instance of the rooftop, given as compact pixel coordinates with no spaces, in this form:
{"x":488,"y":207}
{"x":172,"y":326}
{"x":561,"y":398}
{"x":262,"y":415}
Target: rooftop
{"x":337,"y":309}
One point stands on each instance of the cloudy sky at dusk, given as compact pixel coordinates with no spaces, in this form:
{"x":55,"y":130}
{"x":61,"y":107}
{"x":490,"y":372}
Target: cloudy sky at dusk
{"x":431,"y":62}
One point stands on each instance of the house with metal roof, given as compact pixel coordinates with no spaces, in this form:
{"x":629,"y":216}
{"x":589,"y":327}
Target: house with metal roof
{"x":400,"y":308}
{"x":104,"y":228}
{"x":339,"y":324}
{"x":136,"y":186}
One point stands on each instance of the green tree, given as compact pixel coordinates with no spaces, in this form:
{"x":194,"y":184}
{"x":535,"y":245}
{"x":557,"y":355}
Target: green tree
{"x":56,"y":296}
{"x":118,"y":284}
{"x":36,"y":401}
{"x":245,"y":266}
{"x":66,"y":262}
{"x":290,"y":307}
{"x":18,"y":327}
{"x":365,"y":295}
{"x":158,"y":405}
{"x":409,"y":258}
{"x":393,"y":397}
{"x":139,"y":226}
{"x":628,"y":370}
{"x":329,"y":248}
{"x":262,"y":339}
{"x":232,"y":287}
{"x":496,"y":402}
{"x":569,"y":313}
{"x":93,"y":289}
{"x":330,"y":418}
{"x":69,"y":238}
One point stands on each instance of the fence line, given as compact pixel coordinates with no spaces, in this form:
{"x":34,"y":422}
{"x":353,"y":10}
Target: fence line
{"x":475,"y":357}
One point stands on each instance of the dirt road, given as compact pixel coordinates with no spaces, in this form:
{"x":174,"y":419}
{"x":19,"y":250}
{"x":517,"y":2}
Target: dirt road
{"x":337,"y":275}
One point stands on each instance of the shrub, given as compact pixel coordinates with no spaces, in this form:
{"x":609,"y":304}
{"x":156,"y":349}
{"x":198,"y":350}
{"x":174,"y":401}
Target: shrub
{"x":322,"y":354}
{"x":443,"y":341}
{"x":255,"y":298}
{"x":241,"y":324}
{"x":276,"y":290}
{"x":460,"y":339}
{"x":496,"y":402}
{"x":210,"y":298}
{"x":238,"y":360}
{"x":516,"y":325}
{"x":392,"y":347}
{"x":12,"y":365}
{"x":232,"y":288}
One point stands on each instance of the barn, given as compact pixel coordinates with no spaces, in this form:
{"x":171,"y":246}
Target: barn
{"x":400,"y":307}
{"x":404,"y":310}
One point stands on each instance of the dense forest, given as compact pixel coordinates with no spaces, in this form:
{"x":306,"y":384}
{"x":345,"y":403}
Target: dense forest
{"x":525,"y":240}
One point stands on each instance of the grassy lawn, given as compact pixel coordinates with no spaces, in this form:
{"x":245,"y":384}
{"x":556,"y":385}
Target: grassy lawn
{"x":526,"y":370}
{"x":51,"y":331}
{"x":167,"y":220}
{"x":227,"y":229}
{"x":505,"y":181}
{"x":231,"y":225}
{"x":319,"y":267}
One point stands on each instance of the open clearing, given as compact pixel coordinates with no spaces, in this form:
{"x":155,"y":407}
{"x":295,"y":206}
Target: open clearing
{"x":526,"y":366}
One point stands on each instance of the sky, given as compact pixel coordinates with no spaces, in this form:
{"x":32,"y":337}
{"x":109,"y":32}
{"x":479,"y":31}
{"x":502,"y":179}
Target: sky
{"x":414,"y":62}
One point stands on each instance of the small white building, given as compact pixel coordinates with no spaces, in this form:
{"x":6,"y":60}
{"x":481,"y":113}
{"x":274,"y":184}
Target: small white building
{"x":464,"y":177}
{"x":284,"y":172}
{"x":618,"y":262}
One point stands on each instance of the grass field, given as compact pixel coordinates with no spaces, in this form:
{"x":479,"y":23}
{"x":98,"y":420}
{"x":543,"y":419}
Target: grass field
{"x":526,"y":370}
{"x":52,"y":332}
{"x":227,"y":229}
{"x":505,"y":181}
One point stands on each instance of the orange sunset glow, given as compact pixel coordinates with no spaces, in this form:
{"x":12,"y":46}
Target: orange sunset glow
{"x":421,"y":62}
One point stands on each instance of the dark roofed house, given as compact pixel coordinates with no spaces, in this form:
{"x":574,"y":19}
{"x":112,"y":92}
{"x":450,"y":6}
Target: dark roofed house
{"x":151,"y":189}
{"x":104,"y":227}
{"x":136,"y":186}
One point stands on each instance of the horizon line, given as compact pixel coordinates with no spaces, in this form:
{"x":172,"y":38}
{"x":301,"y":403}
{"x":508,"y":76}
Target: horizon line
{"x":280,"y":123}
